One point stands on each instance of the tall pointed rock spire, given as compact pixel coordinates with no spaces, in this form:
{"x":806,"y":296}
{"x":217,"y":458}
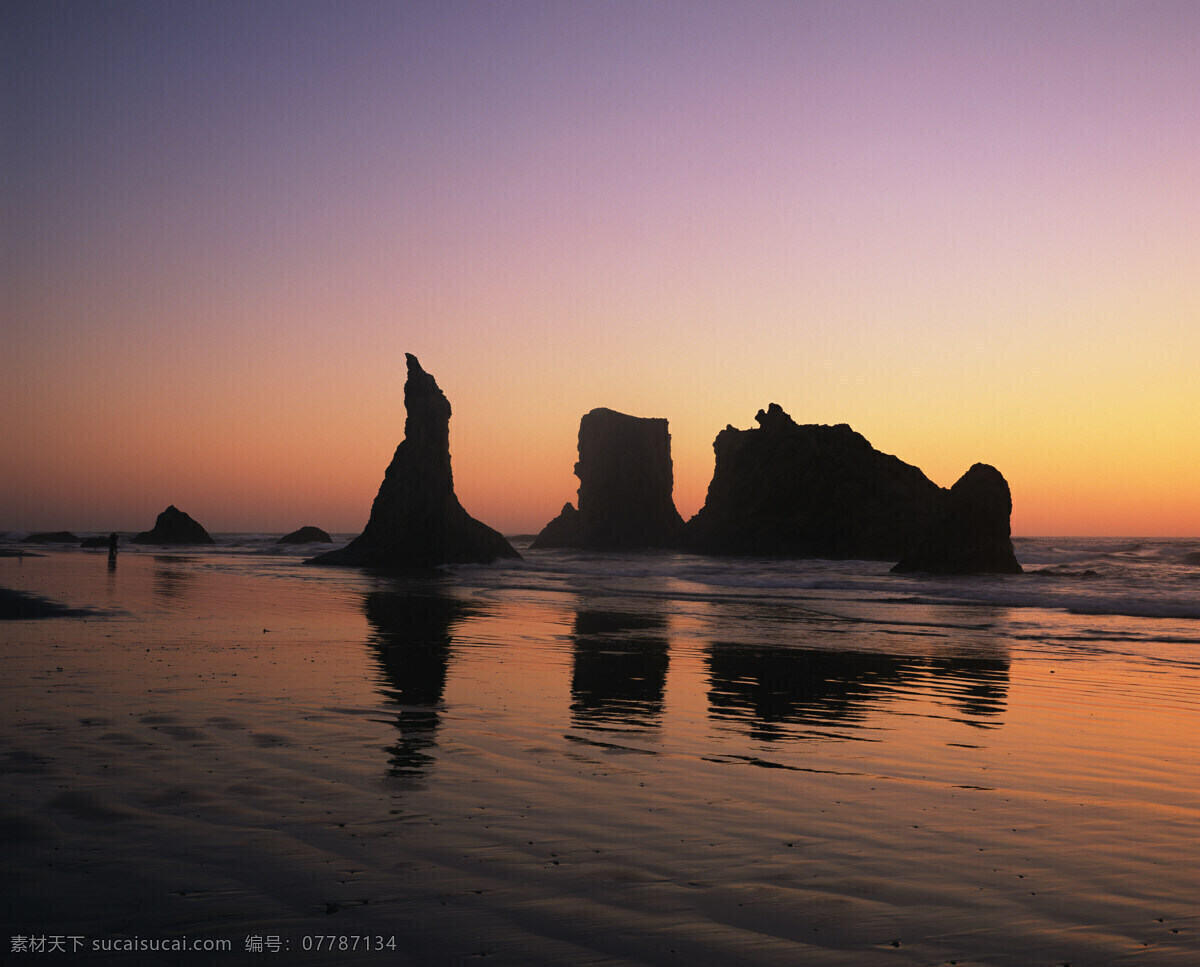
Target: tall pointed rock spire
{"x":416,"y":520}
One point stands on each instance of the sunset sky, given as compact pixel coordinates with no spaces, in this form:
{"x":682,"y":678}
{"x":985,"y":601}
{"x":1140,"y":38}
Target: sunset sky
{"x":971,"y":230}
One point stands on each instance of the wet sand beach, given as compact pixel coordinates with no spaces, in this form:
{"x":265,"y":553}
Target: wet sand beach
{"x":518,"y":765}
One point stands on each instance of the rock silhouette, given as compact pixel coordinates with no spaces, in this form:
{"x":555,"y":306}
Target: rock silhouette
{"x":416,"y":520}
{"x":173,"y":526}
{"x":970,"y":532}
{"x":792,"y":490}
{"x":625,"y":483}
{"x":51,"y":537}
{"x":306,"y":535}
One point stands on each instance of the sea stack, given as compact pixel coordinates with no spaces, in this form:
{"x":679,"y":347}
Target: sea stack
{"x":416,"y":520}
{"x":306,"y":535}
{"x":51,"y":537}
{"x":173,"y":526}
{"x":791,"y":490}
{"x":625,"y":484}
{"x":970,"y":534}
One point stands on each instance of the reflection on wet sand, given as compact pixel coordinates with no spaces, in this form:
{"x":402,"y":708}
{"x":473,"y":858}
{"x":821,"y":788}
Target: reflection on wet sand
{"x":620,"y":669}
{"x":781,"y":694}
{"x":411,"y":641}
{"x":170,"y":581}
{"x":977,"y":686}
{"x":620,"y":661}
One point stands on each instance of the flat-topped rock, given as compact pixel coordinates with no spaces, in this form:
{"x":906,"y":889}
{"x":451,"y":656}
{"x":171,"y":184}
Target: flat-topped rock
{"x":625,"y":487}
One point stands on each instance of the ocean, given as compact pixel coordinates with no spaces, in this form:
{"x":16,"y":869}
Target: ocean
{"x":604,"y":759}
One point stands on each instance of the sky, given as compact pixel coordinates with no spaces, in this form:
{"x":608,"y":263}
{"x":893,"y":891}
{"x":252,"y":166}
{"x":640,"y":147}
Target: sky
{"x":969,"y":230}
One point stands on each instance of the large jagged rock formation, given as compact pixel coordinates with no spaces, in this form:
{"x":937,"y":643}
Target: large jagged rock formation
{"x":625,"y":483}
{"x":416,"y":520}
{"x":810,"y":491}
{"x":970,"y":533}
{"x":173,"y":526}
{"x":793,"y":490}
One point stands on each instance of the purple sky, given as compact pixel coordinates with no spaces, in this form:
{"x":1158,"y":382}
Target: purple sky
{"x":971,"y":230}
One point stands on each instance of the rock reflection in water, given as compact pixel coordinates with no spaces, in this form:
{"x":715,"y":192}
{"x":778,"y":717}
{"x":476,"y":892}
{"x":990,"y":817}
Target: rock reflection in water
{"x":782,"y":693}
{"x":976,"y":686}
{"x":620,"y":669}
{"x":412,"y":635}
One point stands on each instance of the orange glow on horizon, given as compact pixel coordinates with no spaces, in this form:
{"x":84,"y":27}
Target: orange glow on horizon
{"x":966,"y":250}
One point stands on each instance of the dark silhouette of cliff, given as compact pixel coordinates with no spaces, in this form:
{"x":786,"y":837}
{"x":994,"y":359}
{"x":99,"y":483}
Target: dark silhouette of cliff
{"x":970,"y":531}
{"x":810,"y":491}
{"x":416,"y":519}
{"x":792,"y":490}
{"x":625,"y":483}
{"x":173,"y":526}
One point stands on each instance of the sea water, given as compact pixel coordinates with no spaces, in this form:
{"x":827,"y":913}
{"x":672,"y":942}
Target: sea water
{"x":611,"y":758}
